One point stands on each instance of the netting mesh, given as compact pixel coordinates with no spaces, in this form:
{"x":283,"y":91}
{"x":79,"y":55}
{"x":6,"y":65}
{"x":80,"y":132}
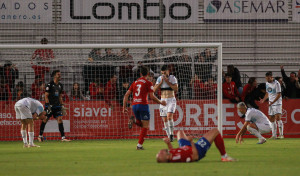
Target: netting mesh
{"x":95,"y":81}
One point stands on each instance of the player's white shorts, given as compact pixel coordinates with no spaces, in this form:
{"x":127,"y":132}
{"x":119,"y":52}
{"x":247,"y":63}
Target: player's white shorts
{"x":264,"y":127}
{"x":22,"y":112}
{"x":170,"y":107}
{"x":276,"y":109}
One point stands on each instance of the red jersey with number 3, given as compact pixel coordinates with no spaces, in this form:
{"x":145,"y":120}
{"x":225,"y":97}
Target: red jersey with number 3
{"x":182,"y":154}
{"x":140,"y":89}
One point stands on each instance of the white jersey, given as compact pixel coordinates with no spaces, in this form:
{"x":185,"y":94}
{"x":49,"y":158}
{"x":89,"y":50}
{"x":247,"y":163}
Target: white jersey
{"x":165,"y":86}
{"x":33,"y":105}
{"x":256,"y":116}
{"x":273,"y":89}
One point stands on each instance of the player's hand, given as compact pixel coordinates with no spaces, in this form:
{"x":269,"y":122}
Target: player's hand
{"x":166,"y":140}
{"x":281,"y":67}
{"x":261,"y":101}
{"x":239,"y":139}
{"x":164,"y":103}
{"x":48,"y":108}
{"x":125,"y":110}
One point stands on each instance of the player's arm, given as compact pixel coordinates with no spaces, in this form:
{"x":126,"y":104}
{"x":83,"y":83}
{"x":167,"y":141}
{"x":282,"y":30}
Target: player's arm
{"x":277,"y":97}
{"x":173,"y":86}
{"x":158,"y":84}
{"x":46,"y":98}
{"x":264,"y":99}
{"x":42,"y":116}
{"x":154,"y":98}
{"x":61,"y":99}
{"x":125,"y":100}
{"x":168,"y":142}
{"x":238,"y":137}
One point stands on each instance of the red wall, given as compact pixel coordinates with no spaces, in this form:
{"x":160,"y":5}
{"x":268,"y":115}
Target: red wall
{"x":95,"y":120}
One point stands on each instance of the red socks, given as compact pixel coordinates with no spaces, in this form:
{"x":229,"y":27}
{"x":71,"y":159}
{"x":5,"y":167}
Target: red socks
{"x":142,"y":135}
{"x":219,"y":142}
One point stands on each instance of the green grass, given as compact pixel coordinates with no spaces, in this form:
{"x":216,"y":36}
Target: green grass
{"x":119,"y":157}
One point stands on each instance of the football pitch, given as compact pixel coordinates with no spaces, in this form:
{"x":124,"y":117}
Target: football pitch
{"x":119,"y":157}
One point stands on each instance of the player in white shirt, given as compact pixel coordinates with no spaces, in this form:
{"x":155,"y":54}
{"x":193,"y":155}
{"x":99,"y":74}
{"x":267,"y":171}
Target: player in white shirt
{"x":168,"y":85}
{"x":273,"y":90}
{"x":256,"y":122}
{"x":27,"y":110}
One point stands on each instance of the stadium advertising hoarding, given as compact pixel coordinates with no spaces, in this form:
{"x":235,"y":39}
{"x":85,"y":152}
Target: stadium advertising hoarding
{"x":25,"y":11}
{"x":130,"y":11}
{"x":296,"y":11}
{"x":95,"y":120}
{"x":252,"y":10}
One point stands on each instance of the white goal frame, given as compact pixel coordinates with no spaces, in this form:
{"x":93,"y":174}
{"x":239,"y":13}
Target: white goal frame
{"x":139,"y":46}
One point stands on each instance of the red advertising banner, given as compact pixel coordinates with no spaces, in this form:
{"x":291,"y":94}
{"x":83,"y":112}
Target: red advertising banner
{"x":96,"y":120}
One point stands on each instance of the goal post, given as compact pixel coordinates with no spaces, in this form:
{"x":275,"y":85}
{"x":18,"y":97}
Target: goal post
{"x":101,"y":118}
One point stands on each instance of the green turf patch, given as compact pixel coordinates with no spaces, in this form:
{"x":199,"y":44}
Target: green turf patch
{"x":119,"y":157}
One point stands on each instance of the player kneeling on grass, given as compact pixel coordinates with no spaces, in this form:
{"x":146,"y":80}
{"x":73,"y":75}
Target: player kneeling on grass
{"x":256,"y":123}
{"x":189,"y":151}
{"x":27,"y":110}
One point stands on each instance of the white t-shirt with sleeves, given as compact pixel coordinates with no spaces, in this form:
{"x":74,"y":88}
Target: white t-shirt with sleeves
{"x":273,"y":89}
{"x":172,"y":80}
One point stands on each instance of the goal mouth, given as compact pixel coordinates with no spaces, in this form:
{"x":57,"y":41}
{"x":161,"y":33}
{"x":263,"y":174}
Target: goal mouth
{"x":95,"y":78}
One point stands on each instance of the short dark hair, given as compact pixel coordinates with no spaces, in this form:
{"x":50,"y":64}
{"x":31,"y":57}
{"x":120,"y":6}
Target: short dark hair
{"x":54,"y":73}
{"x":269,"y":73}
{"x":227,"y":74}
{"x":144,"y":70}
{"x":164,"y":68}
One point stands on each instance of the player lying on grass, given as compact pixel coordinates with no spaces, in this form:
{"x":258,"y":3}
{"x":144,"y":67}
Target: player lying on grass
{"x":140,"y":90}
{"x":27,"y":110}
{"x":256,"y":123}
{"x":189,"y":151}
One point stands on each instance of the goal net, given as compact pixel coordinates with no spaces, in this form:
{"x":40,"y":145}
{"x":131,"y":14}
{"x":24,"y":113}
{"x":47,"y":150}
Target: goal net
{"x":95,"y":79}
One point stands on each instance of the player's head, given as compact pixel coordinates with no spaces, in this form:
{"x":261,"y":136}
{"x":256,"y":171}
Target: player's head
{"x":293,"y":76}
{"x":164,"y":70}
{"x":228,"y":78}
{"x":162,"y":156}
{"x":242,"y":108}
{"x":56,"y":75}
{"x":269,"y":76}
{"x":144,"y":71}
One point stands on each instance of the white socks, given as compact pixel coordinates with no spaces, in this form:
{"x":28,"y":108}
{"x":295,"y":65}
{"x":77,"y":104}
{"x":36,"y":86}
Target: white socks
{"x":274,"y":128}
{"x":31,"y":137}
{"x":280,"y":127}
{"x":255,"y":132}
{"x":166,"y":124}
{"x":171,"y":126}
{"x":24,"y":136}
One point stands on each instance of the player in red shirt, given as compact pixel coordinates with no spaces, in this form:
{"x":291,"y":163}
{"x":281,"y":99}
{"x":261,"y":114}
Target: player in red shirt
{"x":140,"y":90}
{"x":189,"y":151}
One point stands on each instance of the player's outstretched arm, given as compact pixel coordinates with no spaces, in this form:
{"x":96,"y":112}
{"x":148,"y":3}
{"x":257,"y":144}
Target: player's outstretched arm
{"x":125,"y":100}
{"x":239,"y":136}
{"x":154,"y":98}
{"x":168,"y":142}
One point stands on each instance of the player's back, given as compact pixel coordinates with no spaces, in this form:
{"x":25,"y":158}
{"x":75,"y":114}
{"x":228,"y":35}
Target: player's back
{"x":256,"y":116}
{"x":33,"y":104}
{"x":140,"y":89}
{"x":181,"y":154}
